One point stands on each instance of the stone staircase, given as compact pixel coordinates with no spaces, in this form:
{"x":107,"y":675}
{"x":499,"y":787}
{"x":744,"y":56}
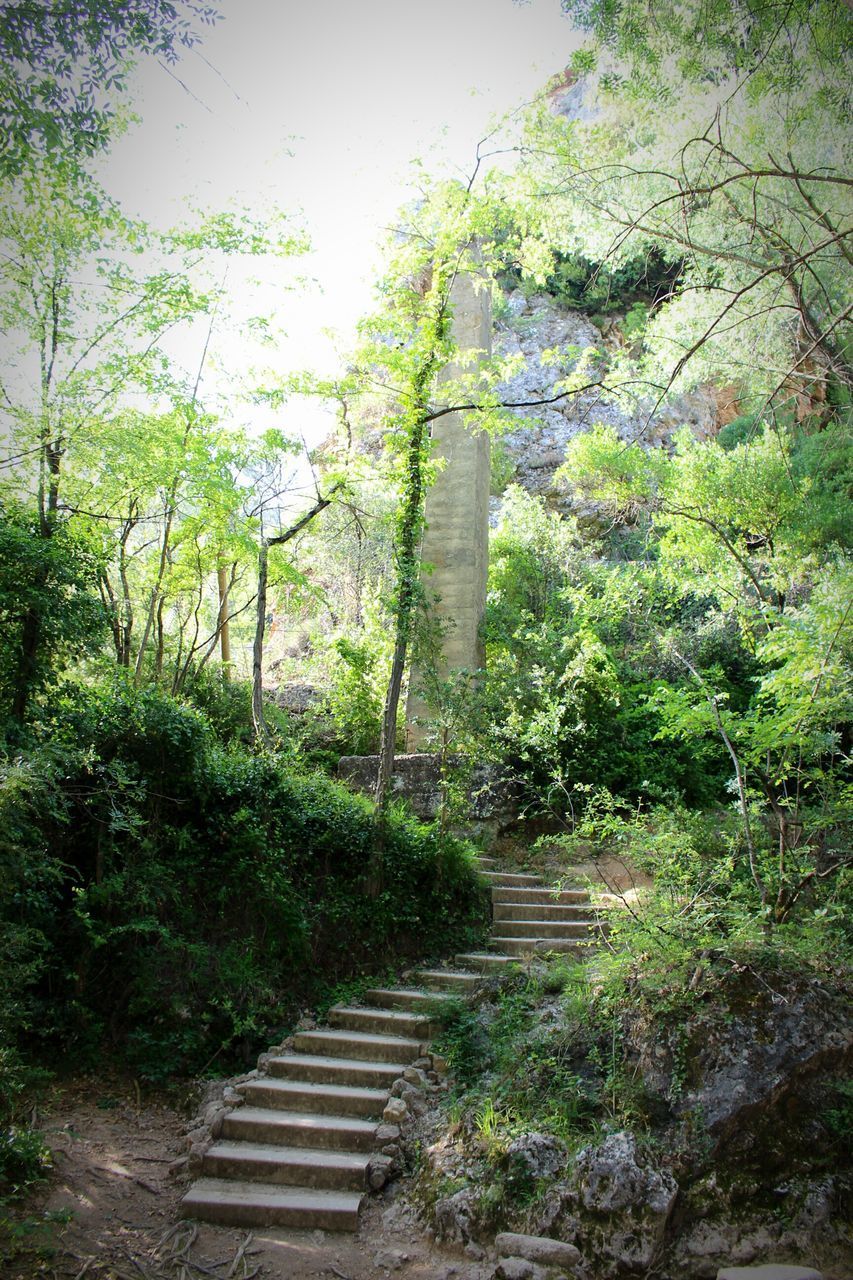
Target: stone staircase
{"x":302,"y":1150}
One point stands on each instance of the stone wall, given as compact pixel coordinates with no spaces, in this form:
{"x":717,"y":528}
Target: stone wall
{"x":493,"y":796}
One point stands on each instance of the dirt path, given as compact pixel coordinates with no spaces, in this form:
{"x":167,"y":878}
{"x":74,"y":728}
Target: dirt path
{"x":113,"y":1197}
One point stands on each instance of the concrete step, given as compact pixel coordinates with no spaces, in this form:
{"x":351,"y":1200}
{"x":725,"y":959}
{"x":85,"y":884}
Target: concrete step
{"x":513,"y":879}
{"x":253,"y":1204}
{"x":544,"y":928}
{"x":485,"y":961}
{"x":414,"y":999}
{"x":322,"y":1098}
{"x":324,"y":1069}
{"x":357,"y":1044}
{"x":287,"y":1166}
{"x":515,"y":947}
{"x":391,"y":1021}
{"x":541,"y":911}
{"x":450,"y":980}
{"x":519,"y":893}
{"x":485,"y":863}
{"x":299,"y":1129}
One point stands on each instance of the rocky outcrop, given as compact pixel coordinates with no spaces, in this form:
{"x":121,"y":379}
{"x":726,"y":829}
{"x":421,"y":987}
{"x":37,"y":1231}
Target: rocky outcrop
{"x":740,"y":1160}
{"x":614,"y":1207}
{"x":537,"y":446}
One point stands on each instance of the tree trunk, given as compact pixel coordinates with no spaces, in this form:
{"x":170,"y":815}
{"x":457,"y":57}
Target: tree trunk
{"x":262,"y":733}
{"x":27,"y":662}
{"x":222,"y":622}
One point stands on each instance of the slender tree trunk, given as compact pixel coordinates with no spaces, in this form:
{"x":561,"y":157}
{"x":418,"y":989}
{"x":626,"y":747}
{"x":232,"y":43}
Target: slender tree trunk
{"x":27,"y":663}
{"x":262,"y":733}
{"x":222,"y":621}
{"x":155,"y":603}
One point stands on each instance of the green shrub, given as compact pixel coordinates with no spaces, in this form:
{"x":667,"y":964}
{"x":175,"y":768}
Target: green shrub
{"x":195,"y":895}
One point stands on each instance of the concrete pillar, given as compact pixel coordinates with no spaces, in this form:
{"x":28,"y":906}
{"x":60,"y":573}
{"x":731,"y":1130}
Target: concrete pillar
{"x":456,"y":538}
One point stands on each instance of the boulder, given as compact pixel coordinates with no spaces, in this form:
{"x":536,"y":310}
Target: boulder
{"x":615,"y":1206}
{"x":554,"y":1253}
{"x":519,"y":1269}
{"x":538,"y":1155}
{"x":395,"y":1111}
{"x":457,"y":1216}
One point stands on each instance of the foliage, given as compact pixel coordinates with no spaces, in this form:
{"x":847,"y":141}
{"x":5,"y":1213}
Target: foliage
{"x":356,"y":670}
{"x":752,"y":529}
{"x":107,"y":438}
{"x":60,"y":63}
{"x":712,"y":140}
{"x":568,"y":696}
{"x":53,"y":581}
{"x":182,"y":897}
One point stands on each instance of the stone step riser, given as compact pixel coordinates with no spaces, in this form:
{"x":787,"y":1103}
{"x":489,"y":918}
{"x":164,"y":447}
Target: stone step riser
{"x":557,"y":897}
{"x":379,"y":1048}
{"x":412,"y":1001}
{"x":456,"y":983}
{"x":308,"y":1131}
{"x":382,"y":1022}
{"x":324,"y":1099}
{"x":538,"y":946}
{"x":541,"y":911}
{"x":511,"y":880}
{"x":258,"y":1207}
{"x":543,"y":928}
{"x":487,"y":963}
{"x":326,"y":1071}
{"x":286,"y":1172}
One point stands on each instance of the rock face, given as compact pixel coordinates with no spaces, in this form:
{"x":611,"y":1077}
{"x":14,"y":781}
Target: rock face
{"x":537,"y":447}
{"x":615,"y":1206}
{"x":749,"y":1067}
{"x":742,"y":1159}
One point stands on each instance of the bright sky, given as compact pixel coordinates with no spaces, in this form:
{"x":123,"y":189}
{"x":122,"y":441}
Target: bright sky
{"x":321,"y":106}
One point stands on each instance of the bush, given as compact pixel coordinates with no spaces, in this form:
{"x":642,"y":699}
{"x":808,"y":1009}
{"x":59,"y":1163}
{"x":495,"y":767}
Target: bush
{"x":195,"y":894}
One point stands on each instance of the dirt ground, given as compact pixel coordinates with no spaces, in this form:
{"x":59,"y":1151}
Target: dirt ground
{"x":112,"y":1210}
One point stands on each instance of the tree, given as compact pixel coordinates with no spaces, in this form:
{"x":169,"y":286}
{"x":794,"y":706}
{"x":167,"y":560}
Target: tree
{"x":59,"y":63}
{"x":755,"y":532}
{"x":89,"y":297}
{"x":717,"y":143}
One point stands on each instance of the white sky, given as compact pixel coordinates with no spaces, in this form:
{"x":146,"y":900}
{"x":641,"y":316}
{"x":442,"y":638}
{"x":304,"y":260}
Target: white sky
{"x":321,"y":106}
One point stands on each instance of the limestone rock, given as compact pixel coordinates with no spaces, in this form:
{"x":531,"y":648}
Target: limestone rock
{"x":539,"y":1155}
{"x":395,"y":1111}
{"x":519,"y":1269}
{"x":537,"y":447}
{"x":554,"y":1253}
{"x":495,"y":796}
{"x":612,"y":1179}
{"x":751,"y":1063}
{"x":615,"y":1206}
{"x":390,"y":1259}
{"x":457,"y":1216}
{"x":378,"y":1171}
